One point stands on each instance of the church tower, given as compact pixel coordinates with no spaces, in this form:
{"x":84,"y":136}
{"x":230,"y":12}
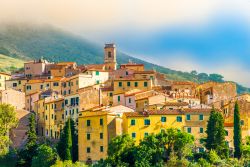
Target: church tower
{"x":110,"y":56}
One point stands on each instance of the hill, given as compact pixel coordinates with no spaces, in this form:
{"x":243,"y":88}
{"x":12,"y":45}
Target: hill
{"x":8,"y":64}
{"x":25,"y":42}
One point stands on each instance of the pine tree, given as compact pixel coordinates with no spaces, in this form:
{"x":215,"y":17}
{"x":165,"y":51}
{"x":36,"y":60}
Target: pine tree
{"x":74,"y":141}
{"x":64,"y":147}
{"x":210,"y":130}
{"x":216,"y":134}
{"x":237,"y":132}
{"x":68,"y":139}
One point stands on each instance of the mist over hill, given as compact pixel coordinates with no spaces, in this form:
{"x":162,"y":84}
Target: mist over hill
{"x":24,"y":42}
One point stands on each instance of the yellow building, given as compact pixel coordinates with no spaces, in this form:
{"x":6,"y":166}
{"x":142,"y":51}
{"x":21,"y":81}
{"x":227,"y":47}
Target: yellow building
{"x":196,"y":125}
{"x":3,"y":78}
{"x":35,"y":85}
{"x":50,"y":115}
{"x":140,"y":124}
{"x":122,"y":85}
{"x":96,"y":129}
{"x":93,"y":138}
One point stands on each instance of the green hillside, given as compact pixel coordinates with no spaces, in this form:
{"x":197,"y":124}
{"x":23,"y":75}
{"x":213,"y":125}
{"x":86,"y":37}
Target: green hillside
{"x":8,"y":64}
{"x":25,"y":42}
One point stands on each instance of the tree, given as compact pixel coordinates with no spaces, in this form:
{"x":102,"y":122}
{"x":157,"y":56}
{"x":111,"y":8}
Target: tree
{"x":154,"y":149}
{"x":26,"y":155}
{"x":237,"y":132}
{"x":216,"y":134}
{"x":45,"y":157}
{"x":64,"y":147}
{"x":74,"y":141}
{"x":8,"y":120}
{"x":121,"y":151}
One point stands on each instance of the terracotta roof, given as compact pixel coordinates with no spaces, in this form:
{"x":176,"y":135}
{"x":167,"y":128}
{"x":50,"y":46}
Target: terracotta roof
{"x":3,"y":73}
{"x":197,"y":110}
{"x":133,"y":92}
{"x":95,"y":66}
{"x":159,"y":112}
{"x":183,"y":83}
{"x":144,"y":72}
{"x":107,"y":88}
{"x":228,"y":124}
{"x":65,"y":63}
{"x":176,"y":104}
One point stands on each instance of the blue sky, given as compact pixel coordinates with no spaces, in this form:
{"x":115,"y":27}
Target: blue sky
{"x":210,"y":36}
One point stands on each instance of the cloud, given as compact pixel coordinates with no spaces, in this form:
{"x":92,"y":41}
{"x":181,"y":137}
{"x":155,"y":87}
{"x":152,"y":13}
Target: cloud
{"x":96,"y":15}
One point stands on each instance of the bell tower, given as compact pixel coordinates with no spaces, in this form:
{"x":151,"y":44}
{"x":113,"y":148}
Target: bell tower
{"x":110,"y":56}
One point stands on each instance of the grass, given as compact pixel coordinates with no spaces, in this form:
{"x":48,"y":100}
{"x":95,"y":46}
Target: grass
{"x":7,"y":64}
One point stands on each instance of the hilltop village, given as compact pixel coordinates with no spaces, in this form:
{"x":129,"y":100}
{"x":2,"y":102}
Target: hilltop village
{"x":107,"y":100}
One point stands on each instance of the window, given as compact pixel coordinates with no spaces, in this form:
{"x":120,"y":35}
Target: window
{"x":147,"y":122}
{"x":97,"y":81}
{"x":126,"y":72}
{"x":55,"y":117}
{"x":88,"y":136}
{"x":145,"y":84}
{"x":88,"y":150}
{"x":97,"y":73}
{"x":77,"y":111}
{"x":55,"y":84}
{"x":52,"y":106}
{"x":66,"y":112}
{"x":14,"y":84}
{"x":201,"y":117}
{"x":145,"y":134}
{"x":163,"y":119}
{"x":189,"y":130}
{"x":132,"y":122}
{"x":179,"y":119}
{"x":133,"y":135}
{"x":88,"y":122}
{"x":101,"y":135}
{"x":201,"y":130}
{"x":41,"y":86}
{"x":128,"y":83}
{"x":66,"y":102}
{"x":55,"y":106}
{"x":188,"y":117}
{"x":118,"y":98}
{"x":64,"y":92}
{"x":77,"y":100}
{"x":101,"y":148}
{"x":46,"y":107}
{"x":120,"y":84}
{"x":19,"y":82}
{"x":129,"y":100}
{"x":101,"y":121}
{"x":109,"y":54}
{"x":77,"y":82}
{"x":62,"y":116}
{"x":136,"y":84}
{"x":110,"y":94}
{"x":52,"y":116}
{"x":28,"y":87}
{"x":46,"y":117}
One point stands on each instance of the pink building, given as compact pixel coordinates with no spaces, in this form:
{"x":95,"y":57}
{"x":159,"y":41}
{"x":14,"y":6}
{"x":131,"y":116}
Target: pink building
{"x":13,"y":97}
{"x":35,"y":68}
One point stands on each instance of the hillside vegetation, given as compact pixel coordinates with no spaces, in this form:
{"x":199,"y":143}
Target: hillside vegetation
{"x":26,"y":42}
{"x":8,"y":64}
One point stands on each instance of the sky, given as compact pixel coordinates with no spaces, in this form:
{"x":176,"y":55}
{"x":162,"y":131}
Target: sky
{"x":210,"y":36}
